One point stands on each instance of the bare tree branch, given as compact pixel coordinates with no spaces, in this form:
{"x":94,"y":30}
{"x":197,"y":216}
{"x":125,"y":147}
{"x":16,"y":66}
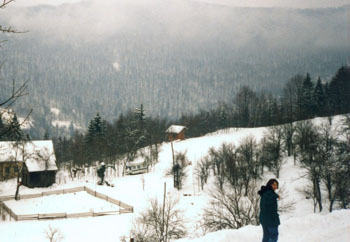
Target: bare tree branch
{"x":8,"y":29}
{"x":16,"y":93}
{"x":5,"y":2}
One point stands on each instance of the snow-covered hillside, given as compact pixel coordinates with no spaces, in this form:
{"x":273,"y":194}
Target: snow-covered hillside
{"x":300,"y":224}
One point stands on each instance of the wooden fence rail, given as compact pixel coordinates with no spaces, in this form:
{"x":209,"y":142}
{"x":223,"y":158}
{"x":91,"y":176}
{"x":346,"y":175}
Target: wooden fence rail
{"x":125,"y":207}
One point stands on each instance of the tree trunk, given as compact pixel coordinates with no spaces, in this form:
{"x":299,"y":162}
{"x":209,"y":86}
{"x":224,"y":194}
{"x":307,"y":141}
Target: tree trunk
{"x":17,"y":191}
{"x":318,"y":194}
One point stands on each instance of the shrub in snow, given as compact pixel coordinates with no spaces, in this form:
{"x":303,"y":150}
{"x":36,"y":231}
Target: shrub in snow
{"x":178,"y":169}
{"x":160,"y":222}
{"x":53,"y":234}
{"x":230,"y":209}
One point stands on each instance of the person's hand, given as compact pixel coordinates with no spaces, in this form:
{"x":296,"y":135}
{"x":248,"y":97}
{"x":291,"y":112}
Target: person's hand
{"x":279,"y":198}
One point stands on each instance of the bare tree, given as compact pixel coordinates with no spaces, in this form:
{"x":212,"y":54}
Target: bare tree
{"x":343,"y":153}
{"x":326,"y":155}
{"x":159,"y":223}
{"x":304,"y":136}
{"x":248,"y":162}
{"x":180,"y":163}
{"x":291,"y":98}
{"x":288,"y":131}
{"x":53,"y":234}
{"x":218,"y":162}
{"x":307,"y":139}
{"x":285,"y":204}
{"x":264,"y":155}
{"x":310,"y":193}
{"x":202,"y":170}
{"x":21,"y":156}
{"x":273,"y":148}
{"x":4,"y":29}
{"x":245,"y":106}
{"x":230,"y":209}
{"x":17,"y":91}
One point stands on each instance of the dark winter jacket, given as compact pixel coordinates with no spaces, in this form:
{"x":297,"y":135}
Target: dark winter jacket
{"x":101,"y":171}
{"x":268,"y":207}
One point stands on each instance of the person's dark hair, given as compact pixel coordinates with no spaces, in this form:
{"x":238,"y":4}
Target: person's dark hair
{"x":270,"y":182}
{"x":268,"y":186}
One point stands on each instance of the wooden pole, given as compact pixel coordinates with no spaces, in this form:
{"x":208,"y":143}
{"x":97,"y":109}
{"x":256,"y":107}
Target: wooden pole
{"x":173,"y":155}
{"x":193,"y":177}
{"x":172,"y":152}
{"x":163,"y":223}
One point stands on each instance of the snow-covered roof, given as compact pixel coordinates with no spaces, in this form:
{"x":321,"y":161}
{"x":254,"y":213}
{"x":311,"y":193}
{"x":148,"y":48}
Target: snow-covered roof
{"x":37,"y":155}
{"x":175,"y":129}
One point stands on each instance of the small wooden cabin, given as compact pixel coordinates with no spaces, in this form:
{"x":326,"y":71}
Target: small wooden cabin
{"x":175,"y":132}
{"x":35,"y":160}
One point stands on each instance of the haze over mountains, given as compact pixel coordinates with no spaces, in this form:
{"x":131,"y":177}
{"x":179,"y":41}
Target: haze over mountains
{"x":174,"y":57}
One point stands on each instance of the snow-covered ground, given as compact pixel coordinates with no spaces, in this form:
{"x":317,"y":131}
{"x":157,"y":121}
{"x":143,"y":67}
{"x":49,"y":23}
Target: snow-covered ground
{"x":300,"y":224}
{"x":58,"y":204}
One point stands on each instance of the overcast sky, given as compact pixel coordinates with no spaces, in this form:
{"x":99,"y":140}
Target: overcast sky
{"x":239,"y":3}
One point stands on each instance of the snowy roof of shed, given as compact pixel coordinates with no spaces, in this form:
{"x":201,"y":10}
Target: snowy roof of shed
{"x":37,"y":155}
{"x":175,"y":129}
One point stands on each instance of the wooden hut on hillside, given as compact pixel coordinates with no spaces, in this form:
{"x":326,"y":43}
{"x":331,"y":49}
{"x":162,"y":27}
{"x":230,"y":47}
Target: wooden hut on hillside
{"x":33,"y":161}
{"x":175,"y":132}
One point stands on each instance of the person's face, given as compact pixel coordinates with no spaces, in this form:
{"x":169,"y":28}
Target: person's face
{"x":274,"y":186}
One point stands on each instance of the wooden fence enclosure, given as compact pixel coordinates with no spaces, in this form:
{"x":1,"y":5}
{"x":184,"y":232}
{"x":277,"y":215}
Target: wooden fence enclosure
{"x":3,"y":208}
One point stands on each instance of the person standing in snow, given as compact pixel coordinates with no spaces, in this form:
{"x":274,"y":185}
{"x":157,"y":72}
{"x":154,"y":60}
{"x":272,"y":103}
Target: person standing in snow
{"x":269,"y":217}
{"x":101,"y":173}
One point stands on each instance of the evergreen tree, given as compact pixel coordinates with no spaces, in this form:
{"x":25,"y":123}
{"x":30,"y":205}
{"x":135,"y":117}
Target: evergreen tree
{"x":327,"y":106}
{"x":121,"y":133}
{"x":95,"y":138}
{"x":98,"y":125}
{"x":15,"y":134}
{"x":223,"y":117}
{"x":3,"y":130}
{"x":90,"y":133}
{"x":140,"y":116}
{"x":78,"y":149}
{"x":339,"y":91}
{"x":204,"y":122}
{"x":141,"y":135}
{"x":46,"y":135}
{"x":307,"y":100}
{"x":319,"y":98}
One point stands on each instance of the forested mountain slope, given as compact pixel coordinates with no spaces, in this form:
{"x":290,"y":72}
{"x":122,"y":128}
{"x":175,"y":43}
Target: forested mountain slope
{"x":173,"y":57}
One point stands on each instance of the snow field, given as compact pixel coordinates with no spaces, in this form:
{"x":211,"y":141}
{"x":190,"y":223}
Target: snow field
{"x":298,"y":225}
{"x":78,"y":202}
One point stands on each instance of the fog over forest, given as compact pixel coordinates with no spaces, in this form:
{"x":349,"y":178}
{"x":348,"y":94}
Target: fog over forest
{"x":174,"y":57}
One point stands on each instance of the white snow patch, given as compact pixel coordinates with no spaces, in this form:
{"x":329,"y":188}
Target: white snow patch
{"x":116,"y":66}
{"x":55,"y":111}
